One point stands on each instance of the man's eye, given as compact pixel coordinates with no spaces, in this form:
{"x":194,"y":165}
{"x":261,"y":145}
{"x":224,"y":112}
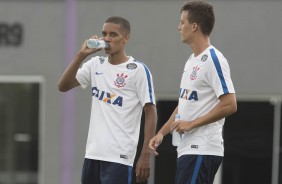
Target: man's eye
{"x":113,"y":34}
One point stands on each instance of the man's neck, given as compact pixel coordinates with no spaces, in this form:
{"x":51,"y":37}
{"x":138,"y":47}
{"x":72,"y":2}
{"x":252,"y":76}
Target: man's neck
{"x":116,"y":59}
{"x":199,"y":45}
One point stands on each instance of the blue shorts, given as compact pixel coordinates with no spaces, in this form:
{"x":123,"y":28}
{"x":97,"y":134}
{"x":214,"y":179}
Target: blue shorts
{"x":102,"y":172}
{"x":197,"y":169}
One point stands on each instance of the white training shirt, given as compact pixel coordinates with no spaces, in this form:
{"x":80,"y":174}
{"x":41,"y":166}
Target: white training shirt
{"x":205,"y":78}
{"x":119,"y":93}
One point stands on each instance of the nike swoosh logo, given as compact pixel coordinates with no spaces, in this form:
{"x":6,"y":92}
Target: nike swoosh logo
{"x":97,"y":73}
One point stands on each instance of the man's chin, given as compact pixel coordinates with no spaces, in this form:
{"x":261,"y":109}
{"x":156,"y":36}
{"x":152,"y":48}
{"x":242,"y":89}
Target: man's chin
{"x":107,"y":51}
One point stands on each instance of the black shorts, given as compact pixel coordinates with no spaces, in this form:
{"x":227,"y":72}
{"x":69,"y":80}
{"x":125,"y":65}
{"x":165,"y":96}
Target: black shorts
{"x":197,"y":169}
{"x":102,"y":172}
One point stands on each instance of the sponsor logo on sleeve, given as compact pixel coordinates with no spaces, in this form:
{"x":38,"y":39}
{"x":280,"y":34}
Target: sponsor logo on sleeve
{"x":204,"y":58}
{"x":131,"y":66}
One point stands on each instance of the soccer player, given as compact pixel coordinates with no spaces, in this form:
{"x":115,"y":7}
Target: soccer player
{"x":121,"y":89}
{"x":206,"y":97}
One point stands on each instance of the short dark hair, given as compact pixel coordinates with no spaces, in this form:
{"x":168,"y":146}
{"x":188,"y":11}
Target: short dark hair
{"x":200,"y":12}
{"x":124,"y":24}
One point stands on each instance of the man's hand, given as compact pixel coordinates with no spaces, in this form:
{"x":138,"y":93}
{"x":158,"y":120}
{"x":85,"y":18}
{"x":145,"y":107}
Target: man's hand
{"x":181,"y":126}
{"x":87,"y":51}
{"x":142,"y":169}
{"x":155,"y":142}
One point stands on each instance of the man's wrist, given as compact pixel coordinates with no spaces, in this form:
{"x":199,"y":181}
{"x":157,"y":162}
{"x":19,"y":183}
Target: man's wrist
{"x":81,"y":55}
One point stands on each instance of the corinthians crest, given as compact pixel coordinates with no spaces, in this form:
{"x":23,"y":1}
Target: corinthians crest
{"x":120,"y":81}
{"x":193,"y":75}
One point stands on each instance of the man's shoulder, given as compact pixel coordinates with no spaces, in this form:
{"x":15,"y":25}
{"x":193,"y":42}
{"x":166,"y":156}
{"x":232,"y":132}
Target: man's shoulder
{"x":135,"y":64}
{"x":141,"y":64}
{"x":214,"y":52}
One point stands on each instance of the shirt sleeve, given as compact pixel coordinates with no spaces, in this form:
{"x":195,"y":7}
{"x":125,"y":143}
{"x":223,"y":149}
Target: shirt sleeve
{"x":144,"y":85}
{"x":219,"y":75}
{"x":83,"y":74}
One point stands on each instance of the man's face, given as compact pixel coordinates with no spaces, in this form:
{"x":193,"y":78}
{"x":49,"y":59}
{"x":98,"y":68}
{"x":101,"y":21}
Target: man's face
{"x":112,"y":33}
{"x":185,"y":28}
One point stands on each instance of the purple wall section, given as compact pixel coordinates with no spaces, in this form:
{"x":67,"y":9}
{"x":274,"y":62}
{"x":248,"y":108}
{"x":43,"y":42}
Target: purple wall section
{"x":69,"y":97}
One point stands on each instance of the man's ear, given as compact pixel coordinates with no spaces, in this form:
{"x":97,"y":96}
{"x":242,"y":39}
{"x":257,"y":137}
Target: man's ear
{"x":126,"y":37}
{"x":195,"y":26}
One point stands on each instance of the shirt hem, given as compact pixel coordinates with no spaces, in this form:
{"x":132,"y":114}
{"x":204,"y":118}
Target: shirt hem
{"x":200,"y":153}
{"x":109,"y":160}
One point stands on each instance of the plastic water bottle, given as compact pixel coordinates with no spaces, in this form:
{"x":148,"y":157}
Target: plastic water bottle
{"x":96,"y":43}
{"x":176,"y":136}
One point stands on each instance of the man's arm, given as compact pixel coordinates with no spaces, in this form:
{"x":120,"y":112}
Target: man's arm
{"x":166,"y":129}
{"x":226,"y":106}
{"x":68,"y":80}
{"x":143,"y":164}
